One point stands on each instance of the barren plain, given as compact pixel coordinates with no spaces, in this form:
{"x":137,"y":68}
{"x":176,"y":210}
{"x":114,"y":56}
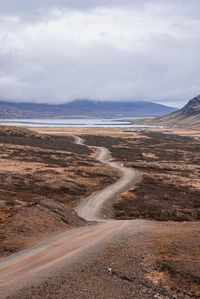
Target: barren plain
{"x":44,"y":176}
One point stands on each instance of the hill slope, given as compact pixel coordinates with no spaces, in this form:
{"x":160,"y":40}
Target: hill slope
{"x":82,"y":108}
{"x":188,"y":116}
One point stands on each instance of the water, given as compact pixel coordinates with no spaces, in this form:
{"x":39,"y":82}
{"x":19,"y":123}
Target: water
{"x":71,"y":122}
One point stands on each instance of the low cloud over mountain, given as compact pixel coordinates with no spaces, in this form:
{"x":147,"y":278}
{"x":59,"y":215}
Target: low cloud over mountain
{"x":82,"y":108}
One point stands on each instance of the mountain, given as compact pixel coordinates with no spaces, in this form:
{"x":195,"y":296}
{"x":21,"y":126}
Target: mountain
{"x":82,"y":108}
{"x":188,"y":116}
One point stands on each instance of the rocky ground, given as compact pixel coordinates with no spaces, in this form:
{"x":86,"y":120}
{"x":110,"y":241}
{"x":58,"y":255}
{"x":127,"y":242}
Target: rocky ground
{"x":42,"y":178}
{"x":152,"y":260}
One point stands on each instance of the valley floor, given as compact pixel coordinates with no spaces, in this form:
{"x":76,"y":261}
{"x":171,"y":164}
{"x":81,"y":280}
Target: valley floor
{"x":44,"y":177}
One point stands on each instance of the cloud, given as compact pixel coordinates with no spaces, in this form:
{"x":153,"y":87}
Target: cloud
{"x":57,"y":51}
{"x":37,"y":6}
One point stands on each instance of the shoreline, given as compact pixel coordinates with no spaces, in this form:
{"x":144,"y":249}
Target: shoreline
{"x":116,"y":131}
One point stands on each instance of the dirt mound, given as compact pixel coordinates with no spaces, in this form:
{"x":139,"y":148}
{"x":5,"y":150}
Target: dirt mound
{"x":25,"y":137}
{"x":35,"y":222}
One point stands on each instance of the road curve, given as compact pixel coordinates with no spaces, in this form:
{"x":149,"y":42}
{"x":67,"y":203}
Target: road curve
{"x":27,"y":266}
{"x":90,"y":209}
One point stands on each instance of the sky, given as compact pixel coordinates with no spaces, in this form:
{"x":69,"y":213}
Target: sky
{"x":55,"y":51}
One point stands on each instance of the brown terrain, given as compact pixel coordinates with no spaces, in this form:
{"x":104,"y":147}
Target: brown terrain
{"x":170,"y":188}
{"x":153,"y":258}
{"x":42,"y":178}
{"x":149,"y":260}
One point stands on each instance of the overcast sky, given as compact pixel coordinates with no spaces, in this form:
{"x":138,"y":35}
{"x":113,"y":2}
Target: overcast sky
{"x":58,"y":50}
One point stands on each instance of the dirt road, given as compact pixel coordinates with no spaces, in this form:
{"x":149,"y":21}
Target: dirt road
{"x":32,"y":264}
{"x":90,"y":209}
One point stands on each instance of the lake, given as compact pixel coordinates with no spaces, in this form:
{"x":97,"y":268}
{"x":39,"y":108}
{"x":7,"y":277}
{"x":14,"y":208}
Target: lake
{"x":72,"y":122}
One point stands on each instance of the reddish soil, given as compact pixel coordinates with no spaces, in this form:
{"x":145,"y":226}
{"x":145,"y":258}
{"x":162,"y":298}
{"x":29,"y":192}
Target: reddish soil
{"x":170,"y":189}
{"x":155,"y":260}
{"x":35,"y":222}
{"x":34,"y":168}
{"x":174,"y":260}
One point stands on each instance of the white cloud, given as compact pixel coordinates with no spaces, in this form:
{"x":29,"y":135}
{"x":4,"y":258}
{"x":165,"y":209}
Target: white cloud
{"x":146,"y":51}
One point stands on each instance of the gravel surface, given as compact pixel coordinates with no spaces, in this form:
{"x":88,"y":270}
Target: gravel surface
{"x":114,"y":270}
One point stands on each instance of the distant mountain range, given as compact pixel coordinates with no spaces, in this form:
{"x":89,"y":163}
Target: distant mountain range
{"x":82,"y":108}
{"x":188,"y":116}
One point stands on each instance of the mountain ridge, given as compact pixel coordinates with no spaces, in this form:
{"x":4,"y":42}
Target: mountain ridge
{"x":82,"y":108}
{"x":188,"y":116}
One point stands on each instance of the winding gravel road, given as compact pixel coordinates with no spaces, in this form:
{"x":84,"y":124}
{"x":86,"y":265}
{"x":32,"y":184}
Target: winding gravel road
{"x":90,"y":209}
{"x":30,"y":265}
